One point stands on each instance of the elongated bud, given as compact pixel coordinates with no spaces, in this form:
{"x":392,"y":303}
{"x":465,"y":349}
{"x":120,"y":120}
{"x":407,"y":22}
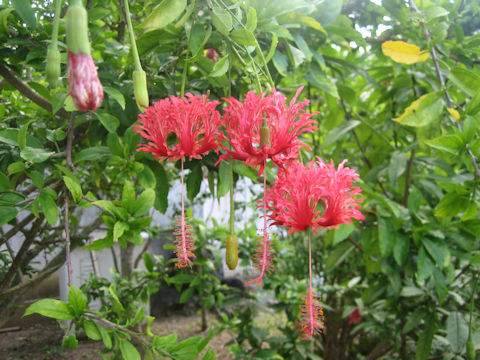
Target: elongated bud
{"x":231,"y":255}
{"x":264,"y":135}
{"x":77,"y":29}
{"x":53,"y":65}
{"x":140,"y":89}
{"x":470,"y":348}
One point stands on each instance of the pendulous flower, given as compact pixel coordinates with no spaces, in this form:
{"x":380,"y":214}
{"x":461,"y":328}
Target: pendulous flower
{"x":265,"y":127}
{"x":316,"y":195}
{"x":192,"y":121}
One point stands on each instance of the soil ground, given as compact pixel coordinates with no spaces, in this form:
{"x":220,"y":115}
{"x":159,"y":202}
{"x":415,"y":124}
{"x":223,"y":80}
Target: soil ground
{"x":40,"y":339}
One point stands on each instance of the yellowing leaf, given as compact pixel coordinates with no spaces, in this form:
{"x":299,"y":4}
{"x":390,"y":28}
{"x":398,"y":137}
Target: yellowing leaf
{"x":422,"y":111}
{"x":455,"y":114}
{"x":403,"y":52}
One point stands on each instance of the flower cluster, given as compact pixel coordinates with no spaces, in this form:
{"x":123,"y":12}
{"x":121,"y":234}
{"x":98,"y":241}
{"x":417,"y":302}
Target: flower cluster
{"x":253,"y":130}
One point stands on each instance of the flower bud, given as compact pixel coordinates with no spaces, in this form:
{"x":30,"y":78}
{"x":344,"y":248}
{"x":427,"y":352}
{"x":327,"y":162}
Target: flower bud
{"x":264,"y":135}
{"x":212,"y":54}
{"x":83,"y":84}
{"x":140,"y":89}
{"x":53,"y":65}
{"x":231,"y":255}
{"x":77,"y":29}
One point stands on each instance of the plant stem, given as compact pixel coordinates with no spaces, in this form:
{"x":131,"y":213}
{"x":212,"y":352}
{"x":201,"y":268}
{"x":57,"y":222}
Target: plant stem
{"x":232,"y":204}
{"x":184,"y":79}
{"x":56,"y":22}
{"x":136,"y":59}
{"x":67,"y":244}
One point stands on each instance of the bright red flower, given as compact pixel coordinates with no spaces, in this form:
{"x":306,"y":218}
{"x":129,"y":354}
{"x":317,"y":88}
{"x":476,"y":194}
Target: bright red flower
{"x":316,"y":195}
{"x":244,"y":119}
{"x":192,"y":119}
{"x":83,"y":83}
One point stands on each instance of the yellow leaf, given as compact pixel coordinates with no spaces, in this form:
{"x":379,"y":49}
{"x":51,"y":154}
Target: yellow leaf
{"x":403,"y":52}
{"x":455,"y":114}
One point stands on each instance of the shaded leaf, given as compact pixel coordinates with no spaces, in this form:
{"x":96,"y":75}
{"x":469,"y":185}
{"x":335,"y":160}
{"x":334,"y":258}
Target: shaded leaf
{"x":164,"y":13}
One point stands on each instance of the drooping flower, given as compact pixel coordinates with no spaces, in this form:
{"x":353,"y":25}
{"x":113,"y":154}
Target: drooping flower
{"x":308,"y":197}
{"x":194,"y":124}
{"x":316,"y":195}
{"x":192,"y":120}
{"x":282,"y":123}
{"x":83,"y":83}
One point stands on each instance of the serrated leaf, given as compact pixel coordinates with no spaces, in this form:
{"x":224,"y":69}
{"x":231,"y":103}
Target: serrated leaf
{"x":243,"y":37}
{"x":422,"y":111}
{"x":49,"y":208}
{"x":35,"y":155}
{"x":52,"y":308}
{"x":164,"y":13}
{"x":451,"y":144}
{"x":457,"y":331}
{"x":220,"y":67}
{"x":115,"y":94}
{"x":402,"y":52}
{"x":222,"y":20}
{"x":77,"y":300}
{"x":108,"y":121}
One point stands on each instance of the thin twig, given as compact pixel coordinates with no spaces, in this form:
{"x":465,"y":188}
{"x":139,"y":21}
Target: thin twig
{"x":29,"y":93}
{"x":67,"y":243}
{"x":68,"y":150}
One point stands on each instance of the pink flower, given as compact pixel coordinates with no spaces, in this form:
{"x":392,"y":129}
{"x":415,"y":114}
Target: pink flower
{"x":312,"y":315}
{"x":316,"y":195}
{"x":285,"y":122}
{"x":212,"y":54}
{"x":83,"y":84}
{"x":192,"y":120}
{"x":355,"y":317}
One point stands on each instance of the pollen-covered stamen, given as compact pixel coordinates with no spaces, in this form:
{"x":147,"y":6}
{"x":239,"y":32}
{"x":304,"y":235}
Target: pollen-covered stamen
{"x":183,"y":242}
{"x":263,"y":253}
{"x":312,"y":315}
{"x":183,"y":234}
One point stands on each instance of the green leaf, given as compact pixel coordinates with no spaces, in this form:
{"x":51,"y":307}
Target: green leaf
{"x":7,"y":213}
{"x":241,"y":169}
{"x":197,"y":38}
{"x":144,"y":202}
{"x":128,"y":196}
{"x":119,"y":229}
{"x":422,"y":111}
{"x":433,"y":12}
{"x":91,"y":330}
{"x":338,"y":255}
{"x":414,"y":319}
{"x":396,"y":167}
{"x":186,"y":295}
{"x":25,"y":10}
{"x":49,"y":207}
{"x":298,"y":18}
{"x":51,"y":308}
{"x":3,"y":20}
{"x":100,"y":244}
{"x":451,"y":144}
{"x":438,"y":252}
{"x":339,"y":131}
{"x":194,"y":181}
{"x":107,"y":340}
{"x":401,"y":249}
{"x":37,"y":178}
{"x":440,"y":286}
{"x":411,"y":291}
{"x":74,"y":187}
{"x":114,"y":144}
{"x":251,"y":19}
{"x":280,"y":63}
{"x":70,"y":342}
{"x":223,"y":185}
{"x":450,"y":205}
{"x":222,"y":20}
{"x":243,"y":37}
{"x":108,"y":121}
{"x":220,"y":67}
{"x":57,"y":101}
{"x":322,"y":82}
{"x":117,"y":95}
{"x":466,"y":80}
{"x":162,"y":189}
{"x":425,"y":266}
{"x":328,"y":11}
{"x":4,"y":182}
{"x":22,"y":136}
{"x":97,"y":153}
{"x":457,"y":331}
{"x":35,"y":155}
{"x":147,"y":261}
{"x":77,"y":300}
{"x":386,"y":236}
{"x":147,"y":178}
{"x":129,"y":352}
{"x":164,"y":13}
{"x":424,"y":343}
{"x":16,"y":167}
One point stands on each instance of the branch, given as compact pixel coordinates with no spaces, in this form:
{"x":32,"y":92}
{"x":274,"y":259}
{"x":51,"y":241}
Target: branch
{"x":408,"y":179}
{"x":29,"y":93}
{"x":448,"y":98}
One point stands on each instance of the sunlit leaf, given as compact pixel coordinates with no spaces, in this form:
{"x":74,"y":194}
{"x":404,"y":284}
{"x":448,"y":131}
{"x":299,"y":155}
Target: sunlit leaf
{"x":422,"y":111}
{"x":402,"y":52}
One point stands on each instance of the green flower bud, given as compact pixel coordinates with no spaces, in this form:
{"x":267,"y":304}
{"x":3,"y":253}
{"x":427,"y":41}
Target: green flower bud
{"x":470,"y":348}
{"x":231,"y":254}
{"x":77,"y":29}
{"x":53,"y":65}
{"x":264,"y":135}
{"x":140,"y":89}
